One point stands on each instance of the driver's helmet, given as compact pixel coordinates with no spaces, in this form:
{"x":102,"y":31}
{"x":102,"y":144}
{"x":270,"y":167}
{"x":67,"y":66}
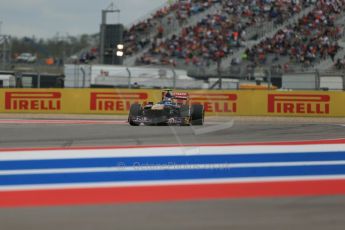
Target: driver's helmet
{"x":168,"y":96}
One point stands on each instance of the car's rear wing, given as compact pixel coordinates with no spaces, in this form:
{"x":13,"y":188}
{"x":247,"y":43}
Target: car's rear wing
{"x":181,"y":96}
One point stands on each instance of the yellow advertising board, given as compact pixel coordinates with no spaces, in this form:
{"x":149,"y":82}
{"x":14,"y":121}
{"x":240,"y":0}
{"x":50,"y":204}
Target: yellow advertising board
{"x":216,"y":102}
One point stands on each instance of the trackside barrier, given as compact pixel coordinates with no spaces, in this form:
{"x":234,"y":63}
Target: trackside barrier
{"x":220,"y":103}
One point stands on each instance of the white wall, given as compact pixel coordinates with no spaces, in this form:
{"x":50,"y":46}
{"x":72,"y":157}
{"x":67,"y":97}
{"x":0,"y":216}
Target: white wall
{"x":332,"y":83}
{"x":299,"y":81}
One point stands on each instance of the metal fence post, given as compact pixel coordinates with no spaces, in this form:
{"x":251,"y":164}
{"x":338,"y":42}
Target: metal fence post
{"x":317,"y":80}
{"x":174,"y":78}
{"x":19,"y":79}
{"x":4,"y":49}
{"x":269,"y":76}
{"x":84,"y":76}
{"x":38,"y":79}
{"x":129,"y":78}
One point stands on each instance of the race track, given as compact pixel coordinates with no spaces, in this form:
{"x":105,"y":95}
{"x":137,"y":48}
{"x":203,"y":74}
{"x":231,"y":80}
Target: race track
{"x":317,"y":213}
{"x":69,"y":133}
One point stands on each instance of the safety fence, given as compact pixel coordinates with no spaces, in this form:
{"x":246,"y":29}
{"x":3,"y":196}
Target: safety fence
{"x":219,"y":103}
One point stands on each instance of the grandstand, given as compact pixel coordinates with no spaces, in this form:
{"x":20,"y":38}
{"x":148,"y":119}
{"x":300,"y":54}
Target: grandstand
{"x":164,"y":23}
{"x":252,"y":41}
{"x":286,"y":33}
{"x":192,"y":34}
{"x":219,"y":34}
{"x":249,"y":41}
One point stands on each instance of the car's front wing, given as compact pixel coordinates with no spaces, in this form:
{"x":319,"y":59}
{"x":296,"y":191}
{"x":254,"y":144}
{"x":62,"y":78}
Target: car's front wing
{"x":162,"y":120}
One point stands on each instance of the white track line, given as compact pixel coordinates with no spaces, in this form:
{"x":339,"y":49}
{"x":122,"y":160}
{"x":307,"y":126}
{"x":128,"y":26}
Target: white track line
{"x":167,"y":183}
{"x":171,"y":151}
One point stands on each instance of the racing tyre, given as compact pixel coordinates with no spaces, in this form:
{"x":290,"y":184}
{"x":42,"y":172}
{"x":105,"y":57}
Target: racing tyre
{"x":184,"y":113}
{"x":197,"y":114}
{"x":134,"y":111}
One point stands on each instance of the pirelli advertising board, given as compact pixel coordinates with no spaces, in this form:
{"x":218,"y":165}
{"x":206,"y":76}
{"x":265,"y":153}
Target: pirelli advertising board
{"x":219,"y":103}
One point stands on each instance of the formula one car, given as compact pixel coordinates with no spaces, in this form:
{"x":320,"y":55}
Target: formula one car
{"x":173,"y":109}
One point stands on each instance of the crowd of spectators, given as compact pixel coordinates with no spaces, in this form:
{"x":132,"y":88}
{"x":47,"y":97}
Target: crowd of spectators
{"x":313,"y":38}
{"x":217,"y":35}
{"x":188,"y":8}
{"x":139,"y":35}
{"x":207,"y":40}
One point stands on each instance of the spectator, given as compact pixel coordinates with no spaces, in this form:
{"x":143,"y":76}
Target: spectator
{"x":340,"y":63}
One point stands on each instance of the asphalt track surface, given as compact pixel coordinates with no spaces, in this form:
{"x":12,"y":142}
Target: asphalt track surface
{"x":71,"y":133}
{"x":316,"y":213}
{"x":267,"y":213}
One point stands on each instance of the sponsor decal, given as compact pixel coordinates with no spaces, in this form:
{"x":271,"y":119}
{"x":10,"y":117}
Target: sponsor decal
{"x":299,"y":104}
{"x":28,"y":101}
{"x":216,"y":103}
{"x":119,"y":102}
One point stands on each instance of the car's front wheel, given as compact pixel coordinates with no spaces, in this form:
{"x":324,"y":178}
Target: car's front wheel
{"x":197,"y":114}
{"x":134,"y":112}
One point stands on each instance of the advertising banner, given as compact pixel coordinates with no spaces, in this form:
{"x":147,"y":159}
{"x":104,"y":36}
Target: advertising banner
{"x":216,"y":102}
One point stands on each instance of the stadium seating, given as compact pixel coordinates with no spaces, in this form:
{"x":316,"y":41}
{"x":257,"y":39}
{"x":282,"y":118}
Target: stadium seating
{"x":239,"y":35}
{"x":313,"y":38}
{"x":217,"y":35}
{"x":142,"y":33}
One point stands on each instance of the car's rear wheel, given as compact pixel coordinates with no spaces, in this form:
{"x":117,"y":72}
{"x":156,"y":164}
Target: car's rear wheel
{"x":134,"y":112}
{"x":197,"y":114}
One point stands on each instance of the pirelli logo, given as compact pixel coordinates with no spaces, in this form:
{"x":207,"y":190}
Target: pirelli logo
{"x":31,"y":101}
{"x":216,"y":103}
{"x":298,"y":104}
{"x":100,"y":101}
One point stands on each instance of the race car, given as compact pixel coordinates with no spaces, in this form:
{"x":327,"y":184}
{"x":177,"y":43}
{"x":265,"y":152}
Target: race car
{"x":173,"y":109}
